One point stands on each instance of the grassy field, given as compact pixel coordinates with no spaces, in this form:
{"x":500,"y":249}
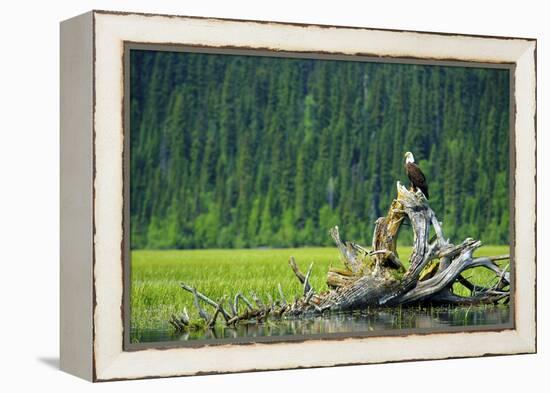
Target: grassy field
{"x":155,"y":291}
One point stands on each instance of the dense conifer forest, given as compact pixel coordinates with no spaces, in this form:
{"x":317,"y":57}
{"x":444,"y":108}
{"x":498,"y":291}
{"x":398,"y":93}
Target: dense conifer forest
{"x":244,"y":151}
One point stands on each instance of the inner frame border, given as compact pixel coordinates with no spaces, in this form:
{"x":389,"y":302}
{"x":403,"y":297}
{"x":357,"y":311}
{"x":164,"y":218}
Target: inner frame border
{"x":128,"y":46}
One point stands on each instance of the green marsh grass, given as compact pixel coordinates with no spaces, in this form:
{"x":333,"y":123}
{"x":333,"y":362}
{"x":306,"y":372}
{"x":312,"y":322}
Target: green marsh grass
{"x":155,"y":276}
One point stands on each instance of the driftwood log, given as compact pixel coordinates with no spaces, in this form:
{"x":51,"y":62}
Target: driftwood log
{"x":374,"y":277}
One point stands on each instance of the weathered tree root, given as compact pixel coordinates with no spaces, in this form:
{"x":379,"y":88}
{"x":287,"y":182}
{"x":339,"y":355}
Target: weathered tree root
{"x":375,"y":277}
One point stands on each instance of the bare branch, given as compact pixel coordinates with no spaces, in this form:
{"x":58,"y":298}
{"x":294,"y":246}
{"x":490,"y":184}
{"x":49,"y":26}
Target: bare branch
{"x":206,"y":299}
{"x":259,"y":303}
{"x":448,"y":297}
{"x":499,"y":257}
{"x":202,"y":313}
{"x":232,"y":307}
{"x":308,"y":296}
{"x":296,"y":270}
{"x":244,"y":299}
{"x":283,"y":300}
{"x":349,"y":256}
{"x":307,"y":286}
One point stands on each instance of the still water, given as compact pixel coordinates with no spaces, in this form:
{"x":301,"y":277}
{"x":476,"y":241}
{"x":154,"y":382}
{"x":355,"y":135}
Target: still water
{"x":376,"y":321}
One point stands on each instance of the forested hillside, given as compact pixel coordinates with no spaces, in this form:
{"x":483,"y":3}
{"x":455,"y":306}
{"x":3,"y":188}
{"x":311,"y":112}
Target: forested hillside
{"x":241,"y":151}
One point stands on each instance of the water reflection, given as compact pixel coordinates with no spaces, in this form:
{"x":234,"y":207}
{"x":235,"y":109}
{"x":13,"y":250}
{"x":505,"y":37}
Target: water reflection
{"x":351,"y":322}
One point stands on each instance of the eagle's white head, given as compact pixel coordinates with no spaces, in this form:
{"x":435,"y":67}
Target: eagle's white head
{"x":409,"y":158}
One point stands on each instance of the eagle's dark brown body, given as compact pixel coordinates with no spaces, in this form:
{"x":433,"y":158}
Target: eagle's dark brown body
{"x":417,"y":178}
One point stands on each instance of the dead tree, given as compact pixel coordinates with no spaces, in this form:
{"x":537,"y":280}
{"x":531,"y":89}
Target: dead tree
{"x":376,"y":277}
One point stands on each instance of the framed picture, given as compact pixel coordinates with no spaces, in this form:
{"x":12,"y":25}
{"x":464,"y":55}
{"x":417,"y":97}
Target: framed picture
{"x":245,"y":195}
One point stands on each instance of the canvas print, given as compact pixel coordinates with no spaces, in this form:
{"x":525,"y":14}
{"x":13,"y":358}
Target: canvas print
{"x":281,"y":198}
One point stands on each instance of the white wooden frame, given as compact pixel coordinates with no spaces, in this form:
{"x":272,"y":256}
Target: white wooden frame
{"x":92,"y":47}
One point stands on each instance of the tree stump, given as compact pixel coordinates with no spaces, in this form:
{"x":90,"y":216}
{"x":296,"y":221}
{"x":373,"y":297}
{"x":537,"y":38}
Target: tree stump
{"x":377,"y":277}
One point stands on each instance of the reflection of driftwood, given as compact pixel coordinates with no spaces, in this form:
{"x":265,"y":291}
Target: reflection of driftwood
{"x":377,"y":277}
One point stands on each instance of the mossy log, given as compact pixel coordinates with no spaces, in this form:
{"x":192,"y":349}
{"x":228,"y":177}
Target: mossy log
{"x":376,"y":277}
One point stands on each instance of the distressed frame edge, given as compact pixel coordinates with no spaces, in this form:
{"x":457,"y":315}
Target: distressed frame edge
{"x":526,"y":161}
{"x":76,"y":196}
{"x":306,"y":24}
{"x":528,"y":339}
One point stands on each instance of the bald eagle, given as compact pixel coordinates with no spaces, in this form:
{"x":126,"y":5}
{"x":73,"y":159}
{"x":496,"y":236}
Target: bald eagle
{"x":415,"y":175}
